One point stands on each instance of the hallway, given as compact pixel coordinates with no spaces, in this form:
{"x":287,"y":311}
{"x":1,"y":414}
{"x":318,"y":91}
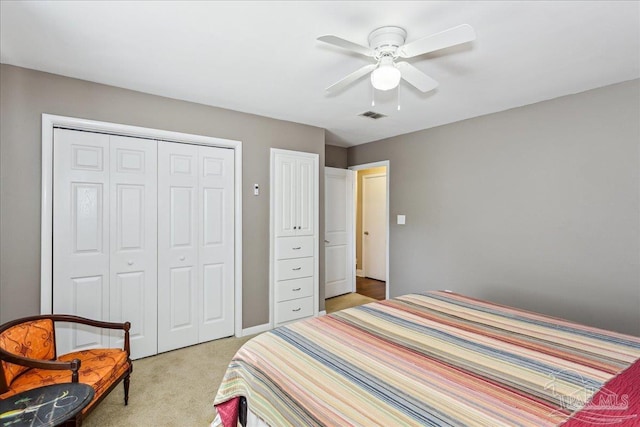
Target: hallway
{"x":371,"y":288}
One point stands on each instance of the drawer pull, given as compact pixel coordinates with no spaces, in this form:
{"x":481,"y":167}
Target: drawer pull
{"x":296,"y":269}
{"x":297,"y":249}
{"x":296,"y":309}
{"x":296,"y":289}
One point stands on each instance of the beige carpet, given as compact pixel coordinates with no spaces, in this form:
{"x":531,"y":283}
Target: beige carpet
{"x":172,"y":389}
{"x":177,"y":388}
{"x":345,"y":301}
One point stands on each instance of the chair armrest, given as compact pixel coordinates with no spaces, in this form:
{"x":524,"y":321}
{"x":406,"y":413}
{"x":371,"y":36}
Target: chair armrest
{"x":73,"y":366}
{"x":97,"y":323}
{"x":126,"y":326}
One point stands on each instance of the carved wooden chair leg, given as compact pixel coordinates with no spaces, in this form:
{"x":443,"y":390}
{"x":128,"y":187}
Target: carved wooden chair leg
{"x":74,"y":422}
{"x":126,"y":389}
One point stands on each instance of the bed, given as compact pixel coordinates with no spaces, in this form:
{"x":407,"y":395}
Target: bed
{"x":434,"y":359}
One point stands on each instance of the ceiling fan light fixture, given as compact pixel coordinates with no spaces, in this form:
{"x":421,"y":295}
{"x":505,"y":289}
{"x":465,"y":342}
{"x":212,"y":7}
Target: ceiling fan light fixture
{"x":386,"y":76}
{"x":386,"y":45}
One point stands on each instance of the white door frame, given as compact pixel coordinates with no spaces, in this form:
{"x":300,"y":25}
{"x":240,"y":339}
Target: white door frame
{"x":387,"y":164}
{"x":50,"y":121}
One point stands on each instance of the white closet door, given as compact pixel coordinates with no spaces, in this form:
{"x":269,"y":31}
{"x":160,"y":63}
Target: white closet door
{"x":143,"y":232}
{"x":305,"y":205}
{"x":81,"y":241}
{"x":216,"y":243}
{"x":133,"y":182}
{"x":285,"y":209}
{"x":177,"y":245}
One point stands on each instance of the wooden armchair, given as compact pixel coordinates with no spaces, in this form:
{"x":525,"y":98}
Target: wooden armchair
{"x":28,"y":359}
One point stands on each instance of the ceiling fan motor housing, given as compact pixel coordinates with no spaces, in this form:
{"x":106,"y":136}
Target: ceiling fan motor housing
{"x":385,"y":41}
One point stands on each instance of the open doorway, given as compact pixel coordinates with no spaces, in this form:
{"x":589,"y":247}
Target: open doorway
{"x":371,"y":230}
{"x":356,"y":235}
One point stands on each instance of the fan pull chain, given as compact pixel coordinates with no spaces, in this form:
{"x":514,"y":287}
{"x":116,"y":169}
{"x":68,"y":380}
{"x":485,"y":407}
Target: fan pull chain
{"x":373,"y":96}
{"x":398,"y":97}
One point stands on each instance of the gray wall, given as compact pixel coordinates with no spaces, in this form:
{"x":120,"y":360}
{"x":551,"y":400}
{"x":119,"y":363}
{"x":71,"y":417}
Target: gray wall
{"x":536,"y":207}
{"x":26,"y":94}
{"x":335,"y":157}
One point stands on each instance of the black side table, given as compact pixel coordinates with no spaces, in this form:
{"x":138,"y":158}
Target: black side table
{"x":45,"y":406}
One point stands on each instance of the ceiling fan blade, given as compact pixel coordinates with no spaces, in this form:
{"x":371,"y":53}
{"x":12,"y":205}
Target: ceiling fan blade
{"x":341,"y":84}
{"x":360,"y":72}
{"x":415,"y":77}
{"x":447,"y":38}
{"x":346,"y":44}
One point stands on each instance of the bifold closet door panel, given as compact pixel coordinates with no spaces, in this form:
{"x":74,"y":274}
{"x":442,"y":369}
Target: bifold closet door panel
{"x":196,"y":244}
{"x":178,"y":273}
{"x":216,"y":243}
{"x":104,"y":257}
{"x":81,"y":235}
{"x":133,"y":269}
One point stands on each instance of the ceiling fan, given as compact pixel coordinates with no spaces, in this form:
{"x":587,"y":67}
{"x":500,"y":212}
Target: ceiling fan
{"x":386,"y":45}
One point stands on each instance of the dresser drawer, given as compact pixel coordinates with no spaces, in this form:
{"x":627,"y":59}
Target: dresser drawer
{"x":294,"y":247}
{"x":295,"y":288}
{"x":294,"y":309}
{"x":294,"y":268}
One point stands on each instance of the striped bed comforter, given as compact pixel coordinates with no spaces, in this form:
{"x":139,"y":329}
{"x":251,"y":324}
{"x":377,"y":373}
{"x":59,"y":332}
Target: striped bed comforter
{"x":434,"y":360}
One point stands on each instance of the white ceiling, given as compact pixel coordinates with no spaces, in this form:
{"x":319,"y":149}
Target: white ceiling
{"x":263,"y":57}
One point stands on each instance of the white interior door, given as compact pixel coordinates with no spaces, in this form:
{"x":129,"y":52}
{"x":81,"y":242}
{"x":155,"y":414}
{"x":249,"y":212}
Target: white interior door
{"x":81,"y":228}
{"x":133,"y":254}
{"x":177,"y":245}
{"x":338,"y":242}
{"x":216,"y":260}
{"x":105,"y":246}
{"x":374,"y":226}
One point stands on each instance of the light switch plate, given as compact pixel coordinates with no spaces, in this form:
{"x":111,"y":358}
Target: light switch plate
{"x":401,"y":219}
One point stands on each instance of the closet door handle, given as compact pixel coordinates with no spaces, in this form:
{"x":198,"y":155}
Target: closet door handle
{"x":296,"y":269}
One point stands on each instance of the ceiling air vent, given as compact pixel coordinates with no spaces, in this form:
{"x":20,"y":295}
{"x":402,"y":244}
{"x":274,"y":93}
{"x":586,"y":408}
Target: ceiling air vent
{"x":372,"y":115}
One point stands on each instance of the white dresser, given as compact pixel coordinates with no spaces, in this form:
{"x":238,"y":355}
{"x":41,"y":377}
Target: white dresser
{"x":294,"y":235}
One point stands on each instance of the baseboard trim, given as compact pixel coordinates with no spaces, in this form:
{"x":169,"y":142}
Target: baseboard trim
{"x":256,"y":329}
{"x":360,"y":273}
